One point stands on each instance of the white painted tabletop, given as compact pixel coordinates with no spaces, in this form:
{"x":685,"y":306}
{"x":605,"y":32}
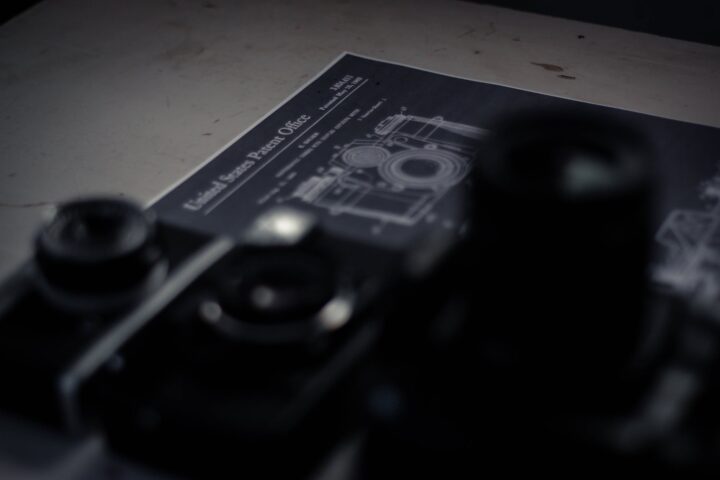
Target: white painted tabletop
{"x":127,"y":96}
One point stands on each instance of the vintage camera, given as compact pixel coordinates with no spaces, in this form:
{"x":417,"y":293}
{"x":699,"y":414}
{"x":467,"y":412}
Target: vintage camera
{"x":536,"y":338}
{"x":193,"y":353}
{"x":254,"y":368}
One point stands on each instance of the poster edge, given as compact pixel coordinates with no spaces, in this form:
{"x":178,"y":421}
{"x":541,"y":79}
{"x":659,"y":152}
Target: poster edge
{"x":155,"y":199}
{"x":528,"y":90}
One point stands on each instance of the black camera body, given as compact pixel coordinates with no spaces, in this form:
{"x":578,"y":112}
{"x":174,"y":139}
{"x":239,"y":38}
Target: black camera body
{"x":257,"y":361}
{"x":216,"y":348}
{"x":535,"y":337}
{"x":54,"y":324}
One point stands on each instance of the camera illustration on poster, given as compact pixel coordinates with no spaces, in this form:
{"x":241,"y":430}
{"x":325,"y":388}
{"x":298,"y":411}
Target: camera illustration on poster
{"x":398,"y":174}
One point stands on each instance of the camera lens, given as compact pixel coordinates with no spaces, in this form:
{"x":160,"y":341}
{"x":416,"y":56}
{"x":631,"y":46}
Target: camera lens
{"x":279,"y":287}
{"x":278,"y":297}
{"x":96,"y":247}
{"x":561,"y":228}
{"x":567,"y":158}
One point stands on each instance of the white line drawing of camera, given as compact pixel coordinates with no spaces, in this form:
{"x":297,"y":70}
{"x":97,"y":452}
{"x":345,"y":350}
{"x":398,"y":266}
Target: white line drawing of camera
{"x":691,"y":243}
{"x":398,"y":173}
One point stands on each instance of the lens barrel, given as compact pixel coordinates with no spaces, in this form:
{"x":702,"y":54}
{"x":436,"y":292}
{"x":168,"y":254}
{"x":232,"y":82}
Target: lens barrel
{"x":97,"y":252}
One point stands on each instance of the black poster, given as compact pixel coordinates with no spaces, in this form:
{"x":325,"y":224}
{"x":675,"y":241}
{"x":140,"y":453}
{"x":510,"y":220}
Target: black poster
{"x":380,"y":152}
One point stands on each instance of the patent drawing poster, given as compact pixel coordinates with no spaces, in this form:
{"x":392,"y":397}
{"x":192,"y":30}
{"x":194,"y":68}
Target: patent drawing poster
{"x":381,"y":152}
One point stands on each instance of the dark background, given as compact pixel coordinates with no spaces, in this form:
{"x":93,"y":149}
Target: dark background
{"x":10,"y":8}
{"x":694,"y":20}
